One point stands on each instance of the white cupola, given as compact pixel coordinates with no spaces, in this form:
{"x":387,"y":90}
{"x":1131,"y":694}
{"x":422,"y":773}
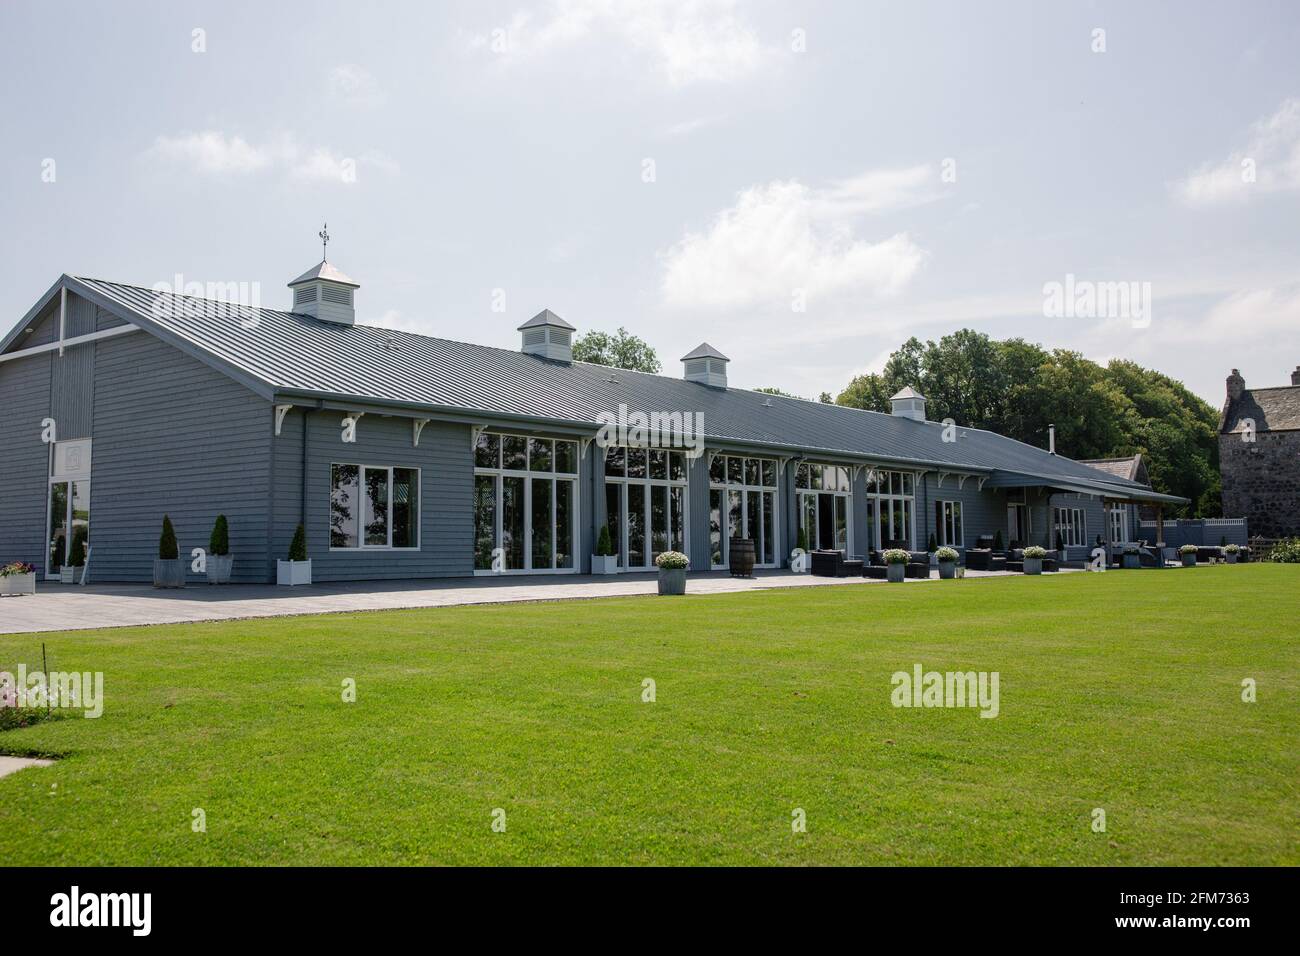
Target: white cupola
{"x":706,"y":365}
{"x":548,"y":336}
{"x":325,"y":293}
{"x":909,"y":403}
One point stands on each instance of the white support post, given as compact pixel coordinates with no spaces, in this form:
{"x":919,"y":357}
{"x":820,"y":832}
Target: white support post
{"x":417,"y":426}
{"x":63,"y":318}
{"x":280,"y":412}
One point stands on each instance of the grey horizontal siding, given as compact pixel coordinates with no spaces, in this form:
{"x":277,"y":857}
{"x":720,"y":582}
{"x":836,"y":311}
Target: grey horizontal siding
{"x":445,"y":459}
{"x":24,"y":459}
{"x":171,"y":436}
{"x":72,"y":383}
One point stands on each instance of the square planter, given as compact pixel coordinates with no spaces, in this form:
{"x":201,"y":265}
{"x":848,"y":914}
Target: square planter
{"x":896,"y":573}
{"x":67,"y":574}
{"x":18,"y":584}
{"x":1231,"y":558}
{"x":604,"y":564}
{"x":169,"y":572}
{"x":293,"y":573}
{"x":1033,"y":565}
{"x":219,"y":567}
{"x":1131,"y":561}
{"x":672,"y":580}
{"x":947,"y":570}
{"x":1189,"y":560}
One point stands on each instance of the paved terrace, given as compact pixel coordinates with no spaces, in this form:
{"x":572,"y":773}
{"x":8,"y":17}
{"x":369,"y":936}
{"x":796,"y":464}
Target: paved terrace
{"x":57,"y":607}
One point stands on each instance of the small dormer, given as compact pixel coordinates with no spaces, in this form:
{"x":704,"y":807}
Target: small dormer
{"x":548,"y":336}
{"x":909,"y":403}
{"x":325,"y":293}
{"x":706,"y":365}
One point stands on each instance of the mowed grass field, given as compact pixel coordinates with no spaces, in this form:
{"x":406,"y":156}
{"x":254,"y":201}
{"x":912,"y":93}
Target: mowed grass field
{"x":1120,"y":691}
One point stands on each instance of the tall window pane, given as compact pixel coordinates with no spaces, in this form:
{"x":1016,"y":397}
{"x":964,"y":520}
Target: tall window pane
{"x":542,"y":523}
{"x":841,"y":523}
{"x":715,"y":526}
{"x":735,"y":517}
{"x":485,"y":520}
{"x":375,"y":506}
{"x":769,"y":473}
{"x":566,"y":457}
{"x":345,"y":504}
{"x":659,"y":464}
{"x":751,"y":471}
{"x":539,"y":454}
{"x":514,"y":453}
{"x":736,"y":471}
{"x":677,"y":466}
{"x":616,"y":461}
{"x":636,"y":467}
{"x":801,"y":475}
{"x":613,"y":513}
{"x":564,"y":524}
{"x":658,"y":520}
{"x":512,"y":521}
{"x":769,"y":526}
{"x":487,"y":451}
{"x":636,"y":526}
{"x":58,"y":538}
{"x":754,"y":528}
{"x":406,"y":508}
{"x":677,"y":516}
{"x":718,"y":470}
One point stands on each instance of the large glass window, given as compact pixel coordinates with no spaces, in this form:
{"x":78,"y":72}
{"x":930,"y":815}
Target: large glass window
{"x":825,"y":505}
{"x":750,"y":485}
{"x":645,"y":503}
{"x":895,"y":508}
{"x":1069,"y":527}
{"x":525,"y":503}
{"x":947,"y":522}
{"x":374,"y":507}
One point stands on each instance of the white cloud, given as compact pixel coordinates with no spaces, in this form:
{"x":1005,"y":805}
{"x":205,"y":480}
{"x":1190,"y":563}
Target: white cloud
{"x":212,"y":152}
{"x":785,"y":236}
{"x":354,"y":85}
{"x":1271,"y":158}
{"x":687,"y":40}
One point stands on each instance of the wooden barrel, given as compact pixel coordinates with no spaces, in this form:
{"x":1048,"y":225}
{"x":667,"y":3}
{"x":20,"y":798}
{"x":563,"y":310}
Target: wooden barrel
{"x":742,"y":557}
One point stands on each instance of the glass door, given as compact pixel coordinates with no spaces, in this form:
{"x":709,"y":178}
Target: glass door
{"x":69,"y":522}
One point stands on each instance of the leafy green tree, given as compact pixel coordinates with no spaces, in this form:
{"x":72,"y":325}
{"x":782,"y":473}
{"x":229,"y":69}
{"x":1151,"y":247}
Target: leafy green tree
{"x":623,"y":350}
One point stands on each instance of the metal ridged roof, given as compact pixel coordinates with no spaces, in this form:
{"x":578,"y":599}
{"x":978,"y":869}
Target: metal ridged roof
{"x":298,"y":354}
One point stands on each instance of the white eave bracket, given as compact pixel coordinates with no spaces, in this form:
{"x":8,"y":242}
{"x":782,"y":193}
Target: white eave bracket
{"x":474,"y":432}
{"x":981,"y":481}
{"x":417,"y":426}
{"x":280,"y":412}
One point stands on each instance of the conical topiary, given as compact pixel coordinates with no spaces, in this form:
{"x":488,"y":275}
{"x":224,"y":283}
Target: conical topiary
{"x":77,"y":554}
{"x":298,"y":549}
{"x":219,"y":541}
{"x":604,"y":546}
{"x":934,"y":545}
{"x":167,"y":549}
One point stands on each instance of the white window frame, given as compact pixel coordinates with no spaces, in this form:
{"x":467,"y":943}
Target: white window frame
{"x":1071,"y":524}
{"x":361,"y":485}
{"x":801,"y":493}
{"x":883,"y":499}
{"x":746,"y":489}
{"x":648,"y":483}
{"x":498,"y":475}
{"x":1118,"y":515}
{"x":952,"y":515}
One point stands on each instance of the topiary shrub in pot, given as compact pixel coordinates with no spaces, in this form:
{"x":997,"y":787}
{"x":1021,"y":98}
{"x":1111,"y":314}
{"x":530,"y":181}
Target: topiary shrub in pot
{"x":947,"y":558}
{"x":1188,"y":553}
{"x":219,"y":561}
{"x":604,"y":561}
{"x":169,"y":566}
{"x":1034,"y":559}
{"x":997,"y":541}
{"x":71,"y":573}
{"x":1231,"y":552}
{"x":896,"y":564}
{"x":672,"y":567}
{"x":297,"y":570}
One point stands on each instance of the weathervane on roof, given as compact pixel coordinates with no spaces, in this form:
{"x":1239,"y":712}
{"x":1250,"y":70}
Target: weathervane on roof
{"x":324,"y":240}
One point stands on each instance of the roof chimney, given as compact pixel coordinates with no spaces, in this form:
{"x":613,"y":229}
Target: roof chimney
{"x":909,"y":403}
{"x":1051,"y":439}
{"x":1295,"y":376}
{"x":548,"y":336}
{"x":325,"y":293}
{"x":1236,"y":385}
{"x":706,"y":365}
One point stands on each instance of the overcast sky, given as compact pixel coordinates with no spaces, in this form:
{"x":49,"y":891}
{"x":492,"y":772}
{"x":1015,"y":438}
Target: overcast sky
{"x":801,"y":185}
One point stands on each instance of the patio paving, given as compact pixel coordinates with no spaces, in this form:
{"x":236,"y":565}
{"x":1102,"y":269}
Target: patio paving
{"x":10,"y":765}
{"x":57,"y":607}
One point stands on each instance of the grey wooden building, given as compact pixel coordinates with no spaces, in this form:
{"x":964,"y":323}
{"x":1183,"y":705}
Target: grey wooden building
{"x":406,"y":456}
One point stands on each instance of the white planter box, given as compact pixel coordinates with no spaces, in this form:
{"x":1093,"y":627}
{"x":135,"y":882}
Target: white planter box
{"x":67,"y":575}
{"x":293,"y":573}
{"x":18,"y":584}
{"x":604,"y":564}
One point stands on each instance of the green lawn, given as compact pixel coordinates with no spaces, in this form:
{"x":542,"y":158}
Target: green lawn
{"x":1120,"y":691}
